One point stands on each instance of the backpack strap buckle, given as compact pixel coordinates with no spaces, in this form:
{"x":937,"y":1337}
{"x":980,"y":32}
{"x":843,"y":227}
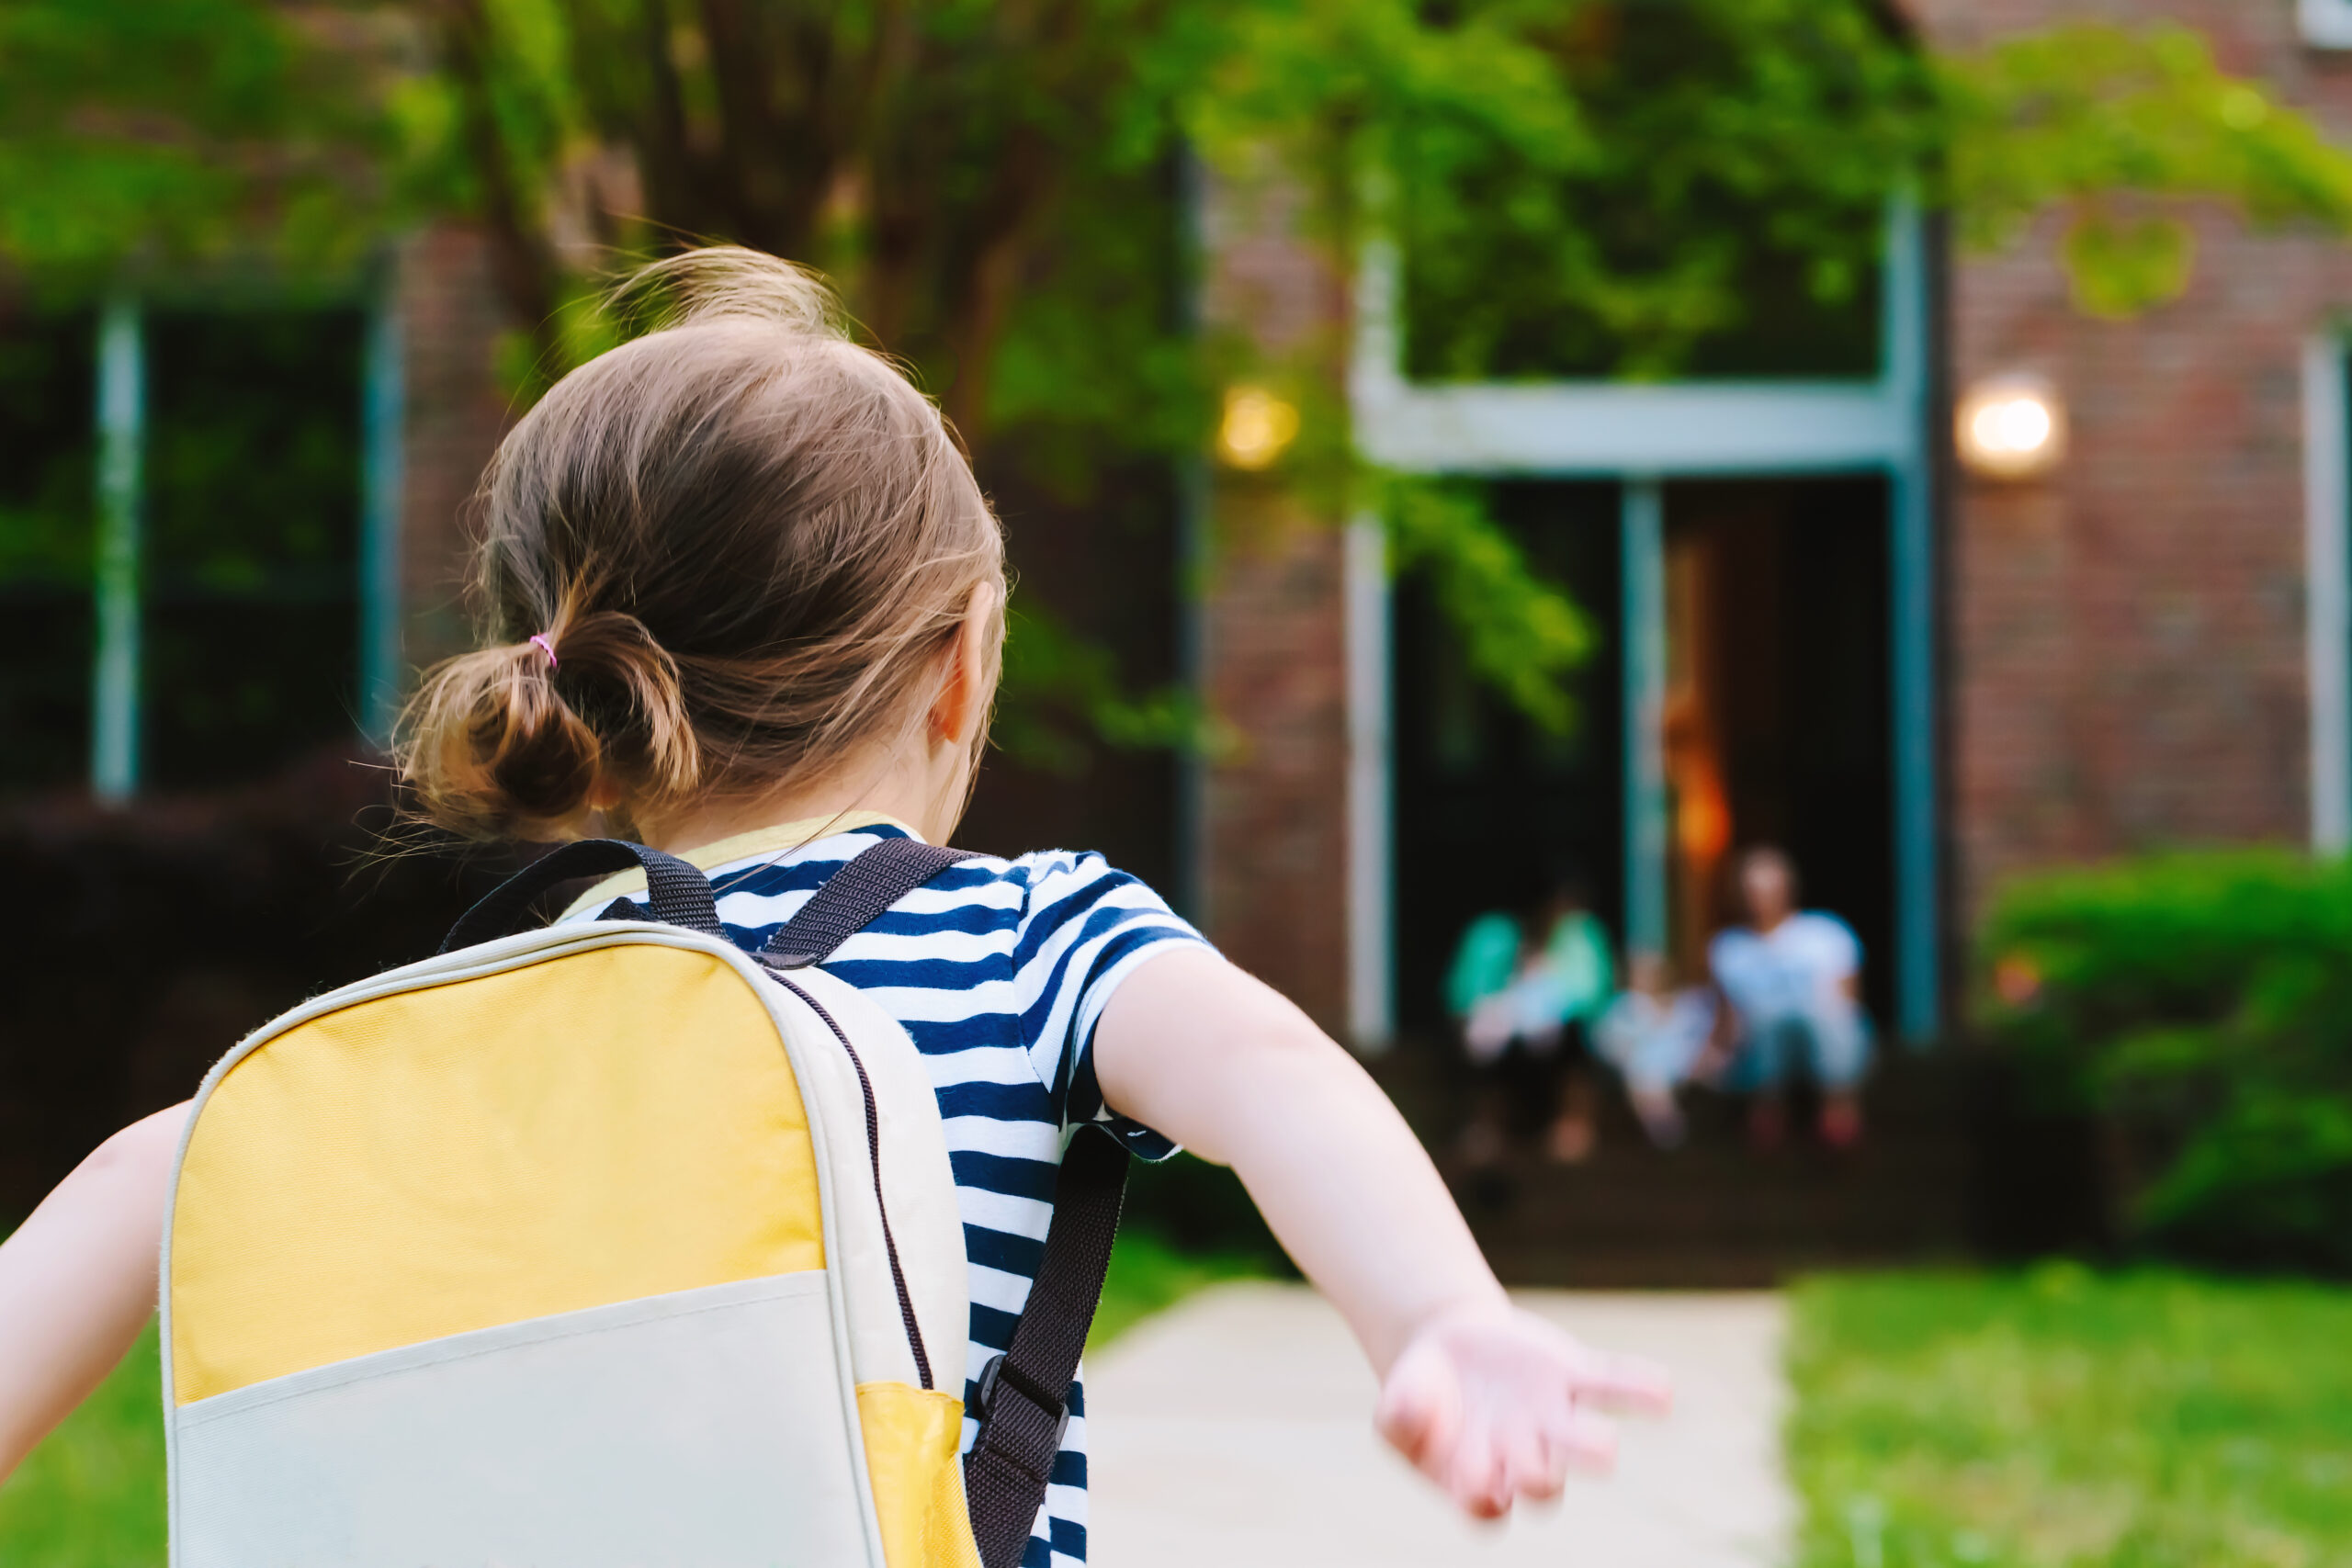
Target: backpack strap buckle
{"x":998,"y":1376}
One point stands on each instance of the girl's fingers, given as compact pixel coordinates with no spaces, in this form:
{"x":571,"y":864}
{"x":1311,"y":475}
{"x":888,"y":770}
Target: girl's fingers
{"x":1583,"y":1440}
{"x":1420,"y":1415}
{"x":1628,"y":1383}
{"x":1498,"y":1407}
{"x":1538,"y":1468}
{"x":1479,"y":1480}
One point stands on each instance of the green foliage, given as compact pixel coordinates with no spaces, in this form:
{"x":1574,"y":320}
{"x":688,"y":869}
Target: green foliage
{"x":1680,"y":187}
{"x":46,"y":469}
{"x":987,"y":184}
{"x":1149,"y":1274}
{"x":154,"y":132}
{"x":2065,"y":1419}
{"x":2083,"y":115}
{"x":1520,"y":634}
{"x":2121,"y":265}
{"x":2203,"y":1004}
{"x":1188,"y":1224}
{"x":1061,"y":690}
{"x":1203,"y":1209}
{"x":1657,"y":196}
{"x":1579,"y":186}
{"x":92,"y":1495}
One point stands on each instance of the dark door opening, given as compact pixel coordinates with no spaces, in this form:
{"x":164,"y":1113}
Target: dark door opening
{"x":46,"y":463}
{"x":252,"y":541}
{"x":1777,"y":724}
{"x":1777,"y":707}
{"x":1489,"y":809}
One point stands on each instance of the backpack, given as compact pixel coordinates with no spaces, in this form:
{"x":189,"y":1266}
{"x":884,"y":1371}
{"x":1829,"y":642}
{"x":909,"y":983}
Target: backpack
{"x":603,"y":1246}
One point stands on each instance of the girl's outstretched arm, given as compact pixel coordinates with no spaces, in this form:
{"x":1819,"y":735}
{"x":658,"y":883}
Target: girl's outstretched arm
{"x":77,"y":1280}
{"x":1491,"y":1402}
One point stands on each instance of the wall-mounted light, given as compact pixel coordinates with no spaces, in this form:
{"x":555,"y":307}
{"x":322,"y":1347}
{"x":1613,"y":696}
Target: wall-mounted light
{"x":1257,"y":429}
{"x":2011,"y":427}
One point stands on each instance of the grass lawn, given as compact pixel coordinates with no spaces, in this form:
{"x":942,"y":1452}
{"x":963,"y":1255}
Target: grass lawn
{"x":2061,"y":1417}
{"x":1149,"y":1273}
{"x":92,"y":1496}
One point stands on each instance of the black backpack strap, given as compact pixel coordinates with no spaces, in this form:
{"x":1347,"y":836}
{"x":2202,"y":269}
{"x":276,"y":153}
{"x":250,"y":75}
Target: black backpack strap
{"x":676,"y":892}
{"x":857,"y":894}
{"x":1022,"y":1403}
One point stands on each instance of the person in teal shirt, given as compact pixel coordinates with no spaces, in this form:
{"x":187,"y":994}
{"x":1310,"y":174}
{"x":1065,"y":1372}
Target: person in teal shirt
{"x":1524,"y":996}
{"x":1484,"y":963}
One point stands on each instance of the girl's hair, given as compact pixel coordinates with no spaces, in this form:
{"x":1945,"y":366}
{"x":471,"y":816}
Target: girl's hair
{"x":719,"y":559}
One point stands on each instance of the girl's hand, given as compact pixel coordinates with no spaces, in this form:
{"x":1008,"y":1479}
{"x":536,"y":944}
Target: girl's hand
{"x":1494,"y":1404}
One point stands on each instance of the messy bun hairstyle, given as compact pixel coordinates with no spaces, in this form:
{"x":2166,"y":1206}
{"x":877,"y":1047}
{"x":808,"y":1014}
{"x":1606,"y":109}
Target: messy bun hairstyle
{"x":716,"y":561}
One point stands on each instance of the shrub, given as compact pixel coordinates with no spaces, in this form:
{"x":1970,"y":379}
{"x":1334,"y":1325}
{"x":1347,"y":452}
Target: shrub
{"x":137,"y":946}
{"x":2201,"y":1005}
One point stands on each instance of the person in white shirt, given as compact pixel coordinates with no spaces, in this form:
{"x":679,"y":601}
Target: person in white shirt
{"x":1656,"y":1035}
{"x":1792,"y":980}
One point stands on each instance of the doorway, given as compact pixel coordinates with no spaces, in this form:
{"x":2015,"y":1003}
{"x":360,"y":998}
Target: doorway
{"x":1778,"y":701}
{"x":1777,"y":724}
{"x":1488,"y":808}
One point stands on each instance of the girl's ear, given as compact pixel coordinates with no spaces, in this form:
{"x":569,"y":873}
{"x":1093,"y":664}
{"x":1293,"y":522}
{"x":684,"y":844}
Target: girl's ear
{"x":963,"y":689}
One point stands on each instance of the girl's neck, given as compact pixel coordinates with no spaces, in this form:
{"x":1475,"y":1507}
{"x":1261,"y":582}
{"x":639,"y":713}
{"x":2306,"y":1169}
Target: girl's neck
{"x":927,"y":797}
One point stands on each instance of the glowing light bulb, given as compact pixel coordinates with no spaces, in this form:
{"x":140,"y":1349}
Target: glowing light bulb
{"x":1257,"y":429}
{"x":2011,"y":427}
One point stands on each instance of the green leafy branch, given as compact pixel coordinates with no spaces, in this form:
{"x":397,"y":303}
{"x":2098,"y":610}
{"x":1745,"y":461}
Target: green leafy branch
{"x":2086,"y":118}
{"x":170,"y":131}
{"x":1061,"y":690}
{"x":1621,"y":187}
{"x":1522,"y":634}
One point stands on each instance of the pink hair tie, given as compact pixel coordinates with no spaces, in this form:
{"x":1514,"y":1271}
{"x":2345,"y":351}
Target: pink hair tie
{"x":539,"y":640}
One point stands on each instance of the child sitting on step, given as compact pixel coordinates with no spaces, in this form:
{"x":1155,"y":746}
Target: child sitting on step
{"x":743,"y":601}
{"x":1656,"y":1035}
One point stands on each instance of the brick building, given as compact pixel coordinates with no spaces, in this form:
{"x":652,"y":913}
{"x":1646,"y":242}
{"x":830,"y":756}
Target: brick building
{"x":1815,"y":629}
{"x":2150,"y":645}
{"x":2147,"y":646}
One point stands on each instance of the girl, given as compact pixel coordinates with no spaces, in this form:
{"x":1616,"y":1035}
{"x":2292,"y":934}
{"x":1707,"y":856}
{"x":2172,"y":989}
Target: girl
{"x":745,"y":602}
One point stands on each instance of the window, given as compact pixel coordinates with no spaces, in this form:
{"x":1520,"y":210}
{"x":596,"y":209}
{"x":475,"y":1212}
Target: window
{"x":245,"y":602}
{"x":45,"y":541}
{"x":2327,"y":24}
{"x":1488,"y":808}
{"x":251,"y":579}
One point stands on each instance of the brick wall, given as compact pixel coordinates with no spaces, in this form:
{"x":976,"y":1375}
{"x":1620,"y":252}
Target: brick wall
{"x":1275,"y":890}
{"x":452,"y":323}
{"x":1273,"y":838}
{"x":2128,"y":663}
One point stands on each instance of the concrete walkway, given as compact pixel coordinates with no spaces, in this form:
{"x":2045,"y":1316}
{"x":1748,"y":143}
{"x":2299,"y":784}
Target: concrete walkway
{"x":1236,"y":1430}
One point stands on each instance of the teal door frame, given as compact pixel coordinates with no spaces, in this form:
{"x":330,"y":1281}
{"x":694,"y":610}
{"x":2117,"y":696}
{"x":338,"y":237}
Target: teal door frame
{"x":1642,"y":436}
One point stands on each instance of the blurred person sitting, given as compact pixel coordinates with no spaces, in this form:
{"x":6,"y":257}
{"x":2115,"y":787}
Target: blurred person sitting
{"x":1792,"y":980}
{"x":1524,"y":996}
{"x":1656,"y":1035}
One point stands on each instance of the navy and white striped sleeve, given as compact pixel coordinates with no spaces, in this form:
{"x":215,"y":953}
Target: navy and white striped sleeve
{"x":1084,"y":927}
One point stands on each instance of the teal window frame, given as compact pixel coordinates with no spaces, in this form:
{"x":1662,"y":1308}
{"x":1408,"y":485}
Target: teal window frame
{"x":117,"y":585}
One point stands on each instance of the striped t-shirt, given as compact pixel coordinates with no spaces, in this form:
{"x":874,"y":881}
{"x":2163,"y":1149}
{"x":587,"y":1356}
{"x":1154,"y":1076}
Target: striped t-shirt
{"x":998,"y":970}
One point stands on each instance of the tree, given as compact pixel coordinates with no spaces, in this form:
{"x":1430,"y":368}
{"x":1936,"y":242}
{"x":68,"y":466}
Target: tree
{"x":1590,"y":186}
